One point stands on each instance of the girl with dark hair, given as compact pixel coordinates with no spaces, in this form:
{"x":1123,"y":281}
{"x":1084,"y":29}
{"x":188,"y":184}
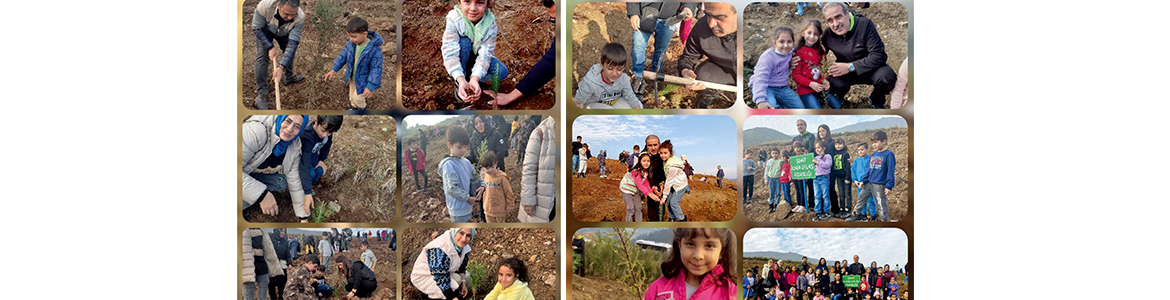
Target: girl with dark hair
{"x":701,"y":265}
{"x":361,"y":280}
{"x":511,"y":282}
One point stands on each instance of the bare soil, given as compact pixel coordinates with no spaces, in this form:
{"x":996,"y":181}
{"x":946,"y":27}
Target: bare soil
{"x":761,"y":18}
{"x":899,"y":200}
{"x":595,"y":288}
{"x":598,"y":23}
{"x":315,"y":93}
{"x":360,"y":175}
{"x":525,"y":34}
{"x":597,"y":199}
{"x":536,"y":247}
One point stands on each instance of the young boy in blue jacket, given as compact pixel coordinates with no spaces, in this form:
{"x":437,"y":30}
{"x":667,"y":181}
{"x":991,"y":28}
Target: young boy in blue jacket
{"x":459,"y":176}
{"x":315,"y":147}
{"x":362,"y":58}
{"x":860,"y":166}
{"x":879,"y":179}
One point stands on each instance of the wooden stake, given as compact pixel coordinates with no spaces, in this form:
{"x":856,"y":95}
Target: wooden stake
{"x":276,"y":82}
{"x":687,"y":81}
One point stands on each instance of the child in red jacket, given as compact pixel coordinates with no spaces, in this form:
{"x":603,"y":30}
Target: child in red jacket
{"x":416,"y":162}
{"x":809,"y":80}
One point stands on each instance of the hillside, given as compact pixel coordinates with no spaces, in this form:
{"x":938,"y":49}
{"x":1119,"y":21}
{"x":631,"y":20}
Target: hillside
{"x":899,"y":202}
{"x":761,"y":135}
{"x":889,"y":122}
{"x":774,"y":255}
{"x":598,"y":199}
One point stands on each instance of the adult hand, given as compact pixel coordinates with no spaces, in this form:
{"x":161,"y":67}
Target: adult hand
{"x":764,"y":105}
{"x":278,"y":72}
{"x":463,"y":289}
{"x":634,"y":20}
{"x":328,"y":75}
{"x":273,"y":54}
{"x":689,"y":74}
{"x":838,"y":69}
{"x":847,"y":182}
{"x":308,"y":203}
{"x":268,"y":205}
{"x":504,"y":99}
{"x":530,"y":210}
{"x":794,"y":62}
{"x":686,"y":13}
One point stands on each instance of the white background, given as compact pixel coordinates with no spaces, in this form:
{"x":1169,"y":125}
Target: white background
{"x":1039,"y":149}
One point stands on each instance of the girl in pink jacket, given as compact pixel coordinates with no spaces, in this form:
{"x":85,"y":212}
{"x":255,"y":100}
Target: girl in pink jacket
{"x":700,"y":266}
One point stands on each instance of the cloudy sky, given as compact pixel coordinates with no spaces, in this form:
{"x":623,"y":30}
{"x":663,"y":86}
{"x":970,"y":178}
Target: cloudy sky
{"x":884,"y":245}
{"x":787,"y":124}
{"x":706,"y":140}
{"x":415,"y":120}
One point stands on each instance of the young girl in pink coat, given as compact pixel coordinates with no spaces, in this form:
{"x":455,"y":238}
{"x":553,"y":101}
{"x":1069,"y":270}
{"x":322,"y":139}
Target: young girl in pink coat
{"x":700,"y":267}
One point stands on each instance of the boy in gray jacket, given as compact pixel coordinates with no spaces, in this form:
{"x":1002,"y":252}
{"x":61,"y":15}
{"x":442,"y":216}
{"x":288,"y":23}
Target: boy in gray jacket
{"x":607,"y":82}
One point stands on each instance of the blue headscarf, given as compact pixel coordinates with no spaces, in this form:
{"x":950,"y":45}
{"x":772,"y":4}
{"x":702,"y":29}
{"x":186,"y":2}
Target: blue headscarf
{"x":282,"y":145}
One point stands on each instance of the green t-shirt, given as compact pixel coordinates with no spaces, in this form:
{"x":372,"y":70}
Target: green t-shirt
{"x":357,"y":56}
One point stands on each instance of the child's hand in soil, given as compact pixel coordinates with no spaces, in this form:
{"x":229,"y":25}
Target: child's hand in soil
{"x":268,"y":205}
{"x":463,"y":88}
{"x":328,"y":75}
{"x":473,"y":95}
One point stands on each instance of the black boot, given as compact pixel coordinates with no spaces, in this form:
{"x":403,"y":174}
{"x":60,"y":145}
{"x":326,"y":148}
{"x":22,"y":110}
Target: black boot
{"x":261,"y":103}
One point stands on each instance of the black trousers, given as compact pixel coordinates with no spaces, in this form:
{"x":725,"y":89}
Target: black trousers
{"x":882,"y":79}
{"x":261,"y":67}
{"x":276,"y":287}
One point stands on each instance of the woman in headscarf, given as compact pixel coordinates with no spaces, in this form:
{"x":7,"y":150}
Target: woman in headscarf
{"x":271,"y":157}
{"x":440,"y":271}
{"x":361,"y":281}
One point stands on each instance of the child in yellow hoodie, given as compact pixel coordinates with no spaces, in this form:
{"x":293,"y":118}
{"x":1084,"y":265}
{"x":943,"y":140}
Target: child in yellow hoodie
{"x":498,"y":199}
{"x":511,"y":282}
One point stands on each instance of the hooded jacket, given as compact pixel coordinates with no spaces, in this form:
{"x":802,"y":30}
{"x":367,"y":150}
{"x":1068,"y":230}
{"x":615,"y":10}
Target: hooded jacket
{"x":264,"y":22}
{"x":259,"y":136}
{"x":416,"y":159}
{"x":435,"y":268}
{"x":369,"y":68}
{"x":492,"y":138}
{"x":266,"y":250}
{"x":311,"y":154}
{"x":538,"y":181}
{"x":460,"y":180}
{"x":498,"y":198}
{"x":861,"y":46}
{"x":676,"y":288}
{"x":594,"y":89}
{"x":518,"y":291}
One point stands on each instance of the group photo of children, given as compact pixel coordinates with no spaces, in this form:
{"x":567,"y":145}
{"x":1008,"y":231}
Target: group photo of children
{"x":318,"y":168}
{"x":826,"y":168}
{"x":656,"y":55}
{"x":654,"y":263}
{"x":318,"y":55}
{"x":479,"y":263}
{"x":492,"y":54}
{"x":825,"y":264}
{"x":479,"y":168}
{"x":814,"y":55}
{"x":636,"y":168}
{"x":319,"y":263}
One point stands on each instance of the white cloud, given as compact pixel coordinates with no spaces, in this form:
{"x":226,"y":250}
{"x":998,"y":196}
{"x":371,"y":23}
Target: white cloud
{"x":883,"y":245}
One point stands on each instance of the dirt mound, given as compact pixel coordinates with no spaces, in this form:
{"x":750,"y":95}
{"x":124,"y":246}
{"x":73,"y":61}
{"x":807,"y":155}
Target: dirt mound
{"x":525,"y":34}
{"x":360,"y":177}
{"x":760,"y":18}
{"x":430,"y":205}
{"x":536,"y":247}
{"x":593,"y":288}
{"x":315,"y":56}
{"x":899,"y":200}
{"x":598,"y":23}
{"x":598,"y":199}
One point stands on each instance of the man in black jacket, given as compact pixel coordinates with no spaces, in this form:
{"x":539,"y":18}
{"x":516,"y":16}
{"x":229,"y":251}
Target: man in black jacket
{"x":861,"y":55}
{"x":714,"y":38}
{"x":856,"y":268}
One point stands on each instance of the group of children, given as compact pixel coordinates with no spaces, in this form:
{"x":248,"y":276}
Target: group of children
{"x":873,"y":175}
{"x":637,"y":182}
{"x":822,"y":282}
{"x":492,"y":196}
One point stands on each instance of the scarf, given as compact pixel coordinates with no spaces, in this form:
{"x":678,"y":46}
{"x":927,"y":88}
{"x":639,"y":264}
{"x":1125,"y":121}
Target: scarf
{"x":476,"y":31}
{"x":282,"y":145}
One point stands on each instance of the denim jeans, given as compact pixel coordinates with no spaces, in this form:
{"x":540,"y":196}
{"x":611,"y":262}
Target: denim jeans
{"x":468,"y":60}
{"x":784,"y":186}
{"x":575,"y":159}
{"x":662,"y":35}
{"x":461,"y":219}
{"x":258,"y":288}
{"x":773,"y":190}
{"x":316,"y":174}
{"x":602,"y":167}
{"x":812,"y":101}
{"x":673,"y":201}
{"x":783,"y":97}
{"x":821,"y":185}
{"x":274,"y":182}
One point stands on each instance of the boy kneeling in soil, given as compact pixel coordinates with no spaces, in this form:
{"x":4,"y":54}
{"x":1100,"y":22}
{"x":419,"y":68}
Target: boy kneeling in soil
{"x":315,"y":147}
{"x":498,"y":198}
{"x":362,"y":57}
{"x":459,"y":176}
{"x":606,"y":82}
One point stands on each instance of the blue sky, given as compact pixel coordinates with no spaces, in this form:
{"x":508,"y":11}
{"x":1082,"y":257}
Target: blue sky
{"x":706,"y":140}
{"x":884,"y":245}
{"x":787,"y":124}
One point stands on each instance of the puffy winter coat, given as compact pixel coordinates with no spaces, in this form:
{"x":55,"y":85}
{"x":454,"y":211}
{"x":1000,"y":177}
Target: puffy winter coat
{"x":538,"y":181}
{"x":369,"y":69}
{"x":249,"y":255}
{"x":259,"y":134}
